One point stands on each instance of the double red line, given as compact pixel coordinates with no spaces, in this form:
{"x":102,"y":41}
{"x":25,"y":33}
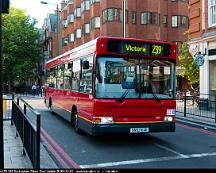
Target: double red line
{"x":64,"y":159}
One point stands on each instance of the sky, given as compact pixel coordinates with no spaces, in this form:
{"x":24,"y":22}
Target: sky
{"x":35,"y":9}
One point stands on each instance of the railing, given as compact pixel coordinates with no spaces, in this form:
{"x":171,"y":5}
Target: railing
{"x":202,"y":106}
{"x":27,"y":122}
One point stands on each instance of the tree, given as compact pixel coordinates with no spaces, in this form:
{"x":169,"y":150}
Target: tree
{"x":21,"y":47}
{"x":186,"y":60}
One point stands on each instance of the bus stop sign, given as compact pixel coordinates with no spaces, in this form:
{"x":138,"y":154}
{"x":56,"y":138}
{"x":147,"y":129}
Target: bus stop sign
{"x":199,"y":60}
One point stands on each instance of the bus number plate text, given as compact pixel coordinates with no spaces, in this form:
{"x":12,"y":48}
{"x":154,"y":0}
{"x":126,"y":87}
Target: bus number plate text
{"x":139,"y":130}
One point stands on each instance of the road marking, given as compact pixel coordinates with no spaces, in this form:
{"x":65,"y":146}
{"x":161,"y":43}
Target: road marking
{"x":130,"y":162}
{"x":197,"y":129}
{"x":59,"y":149}
{"x":170,"y":150}
{"x":58,"y":157}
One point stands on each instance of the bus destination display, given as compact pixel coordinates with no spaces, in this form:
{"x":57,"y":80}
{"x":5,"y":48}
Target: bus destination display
{"x":138,"y":48}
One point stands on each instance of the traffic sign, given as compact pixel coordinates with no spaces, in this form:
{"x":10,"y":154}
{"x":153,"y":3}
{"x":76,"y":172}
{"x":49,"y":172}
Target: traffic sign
{"x":199,"y":60}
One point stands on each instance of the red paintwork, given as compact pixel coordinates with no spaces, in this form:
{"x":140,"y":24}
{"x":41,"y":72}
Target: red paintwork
{"x":130,"y":110}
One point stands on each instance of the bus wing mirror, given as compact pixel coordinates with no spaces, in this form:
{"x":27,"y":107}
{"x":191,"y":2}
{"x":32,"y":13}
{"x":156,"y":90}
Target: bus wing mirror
{"x":85,"y":65}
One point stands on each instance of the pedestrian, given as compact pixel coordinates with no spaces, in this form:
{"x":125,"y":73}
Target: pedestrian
{"x":34,"y":88}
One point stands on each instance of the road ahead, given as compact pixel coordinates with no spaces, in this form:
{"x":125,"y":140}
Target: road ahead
{"x":188,"y":147}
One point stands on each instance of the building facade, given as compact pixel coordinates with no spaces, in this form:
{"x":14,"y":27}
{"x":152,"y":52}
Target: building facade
{"x":202,"y":33}
{"x":84,"y":20}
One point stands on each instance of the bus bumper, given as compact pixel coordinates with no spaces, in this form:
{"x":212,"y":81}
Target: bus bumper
{"x":98,"y":129}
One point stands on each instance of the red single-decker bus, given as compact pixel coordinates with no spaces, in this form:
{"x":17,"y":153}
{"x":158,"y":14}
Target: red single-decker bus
{"x":114,"y":85}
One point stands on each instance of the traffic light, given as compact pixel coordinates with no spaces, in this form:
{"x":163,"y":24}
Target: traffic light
{"x":5,"y":6}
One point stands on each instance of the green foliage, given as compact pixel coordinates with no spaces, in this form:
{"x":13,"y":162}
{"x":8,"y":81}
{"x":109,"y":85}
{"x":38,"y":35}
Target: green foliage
{"x":21,"y":46}
{"x":191,"y":70}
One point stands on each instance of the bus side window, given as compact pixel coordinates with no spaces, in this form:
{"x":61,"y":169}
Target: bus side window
{"x":50,"y":77}
{"x":86,"y":79}
{"x":76,"y":75}
{"x":60,"y":77}
{"x":67,"y":76}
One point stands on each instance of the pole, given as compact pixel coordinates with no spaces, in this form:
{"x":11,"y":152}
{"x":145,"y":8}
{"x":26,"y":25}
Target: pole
{"x":57,"y":29}
{"x":123,"y":18}
{"x":1,"y":102}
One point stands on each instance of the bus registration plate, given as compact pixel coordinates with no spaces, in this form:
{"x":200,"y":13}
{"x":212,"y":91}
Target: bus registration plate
{"x":139,"y":130}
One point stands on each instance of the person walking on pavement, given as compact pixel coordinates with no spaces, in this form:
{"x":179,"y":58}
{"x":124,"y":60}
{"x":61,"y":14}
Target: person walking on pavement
{"x":34,"y":88}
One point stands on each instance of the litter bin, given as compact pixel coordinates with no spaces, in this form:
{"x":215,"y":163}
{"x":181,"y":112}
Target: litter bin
{"x":203,"y":104}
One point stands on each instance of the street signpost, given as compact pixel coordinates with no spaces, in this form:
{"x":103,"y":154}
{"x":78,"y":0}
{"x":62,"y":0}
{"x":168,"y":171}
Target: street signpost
{"x":199,"y":60}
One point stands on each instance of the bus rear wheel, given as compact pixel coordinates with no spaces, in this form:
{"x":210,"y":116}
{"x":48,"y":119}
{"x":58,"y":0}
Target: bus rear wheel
{"x":50,"y":105}
{"x":76,"y":123}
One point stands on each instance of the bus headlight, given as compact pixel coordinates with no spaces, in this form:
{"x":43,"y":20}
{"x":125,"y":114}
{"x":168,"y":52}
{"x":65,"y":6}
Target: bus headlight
{"x":169,"y":118}
{"x":103,"y":120}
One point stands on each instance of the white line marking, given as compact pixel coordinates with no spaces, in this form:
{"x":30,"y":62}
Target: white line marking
{"x":170,"y":150}
{"x":129,"y":162}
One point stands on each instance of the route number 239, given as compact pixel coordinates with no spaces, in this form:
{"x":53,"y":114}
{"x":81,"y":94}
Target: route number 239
{"x":157,"y":50}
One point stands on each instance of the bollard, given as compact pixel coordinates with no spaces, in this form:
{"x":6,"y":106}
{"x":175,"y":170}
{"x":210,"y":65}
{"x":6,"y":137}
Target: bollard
{"x":4,"y":104}
{"x":185,"y":104}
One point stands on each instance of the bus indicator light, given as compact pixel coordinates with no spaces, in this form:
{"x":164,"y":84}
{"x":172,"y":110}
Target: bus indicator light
{"x":171,"y":112}
{"x":102,"y":120}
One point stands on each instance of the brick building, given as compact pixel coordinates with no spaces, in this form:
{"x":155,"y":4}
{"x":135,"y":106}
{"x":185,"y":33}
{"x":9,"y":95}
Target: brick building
{"x":202,"y":32}
{"x":83,"y":20}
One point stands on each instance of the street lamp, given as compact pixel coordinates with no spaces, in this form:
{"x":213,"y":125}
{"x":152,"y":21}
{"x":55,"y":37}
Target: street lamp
{"x":57,"y":29}
{"x":123,"y":18}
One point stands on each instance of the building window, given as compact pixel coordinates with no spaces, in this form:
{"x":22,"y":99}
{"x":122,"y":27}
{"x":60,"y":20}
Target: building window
{"x":94,"y":1}
{"x":77,"y":33}
{"x":65,"y":41}
{"x":150,"y":18}
{"x":184,"y":21}
{"x":95,"y":22}
{"x":165,"y":21}
{"x":71,"y":37}
{"x":112,"y":14}
{"x":85,"y":5}
{"x":212,"y":12}
{"x":77,"y":12}
{"x":174,"y":21}
{"x":86,"y":28}
{"x":133,"y":17}
{"x":180,"y":21}
{"x":144,"y":18}
{"x":70,"y":18}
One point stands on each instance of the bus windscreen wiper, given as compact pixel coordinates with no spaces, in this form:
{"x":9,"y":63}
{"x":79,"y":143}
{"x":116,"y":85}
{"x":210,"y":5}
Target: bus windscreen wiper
{"x":155,"y":96}
{"x":123,"y":95}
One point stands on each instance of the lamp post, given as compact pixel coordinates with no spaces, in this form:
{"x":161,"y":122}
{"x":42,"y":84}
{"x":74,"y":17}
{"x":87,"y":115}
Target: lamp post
{"x":57,"y":21}
{"x":123,"y":18}
{"x":1,"y":101}
{"x":4,"y":8}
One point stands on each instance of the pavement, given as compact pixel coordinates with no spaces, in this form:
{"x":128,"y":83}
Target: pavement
{"x":14,"y":158}
{"x":13,"y":147}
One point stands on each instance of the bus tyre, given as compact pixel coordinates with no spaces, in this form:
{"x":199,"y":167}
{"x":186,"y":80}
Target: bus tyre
{"x":76,"y":123}
{"x":50,"y":105}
